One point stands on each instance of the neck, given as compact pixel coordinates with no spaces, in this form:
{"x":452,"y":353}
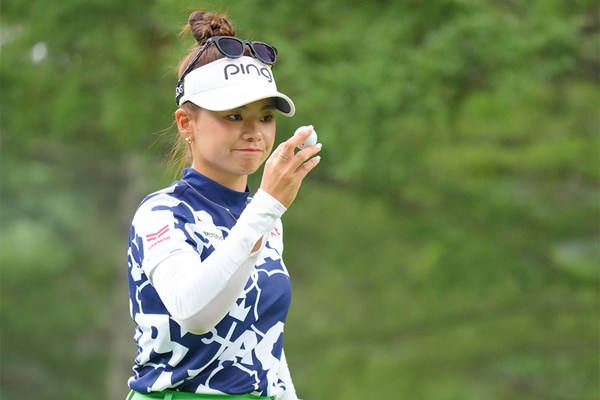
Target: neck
{"x":233,"y":182}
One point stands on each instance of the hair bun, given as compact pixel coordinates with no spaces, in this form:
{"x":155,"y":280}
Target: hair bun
{"x":205,"y":25}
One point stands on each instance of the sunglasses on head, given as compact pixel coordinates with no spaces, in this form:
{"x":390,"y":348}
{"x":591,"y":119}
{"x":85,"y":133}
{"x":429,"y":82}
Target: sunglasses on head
{"x":231,"y":47}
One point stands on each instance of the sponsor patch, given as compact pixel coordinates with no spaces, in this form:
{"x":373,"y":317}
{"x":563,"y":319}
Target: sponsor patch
{"x":163,"y":234}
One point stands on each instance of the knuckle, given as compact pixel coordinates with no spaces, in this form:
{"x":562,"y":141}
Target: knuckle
{"x":286,"y":146}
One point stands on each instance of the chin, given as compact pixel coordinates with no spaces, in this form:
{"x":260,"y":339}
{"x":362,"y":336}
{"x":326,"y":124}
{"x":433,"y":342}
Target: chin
{"x":249,"y":169}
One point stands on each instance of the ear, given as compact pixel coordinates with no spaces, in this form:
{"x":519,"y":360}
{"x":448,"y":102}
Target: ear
{"x":183,"y":123}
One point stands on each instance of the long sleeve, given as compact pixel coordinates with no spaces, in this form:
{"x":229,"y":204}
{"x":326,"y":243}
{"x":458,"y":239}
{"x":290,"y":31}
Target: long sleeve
{"x":198,"y":293}
{"x":284,"y":374}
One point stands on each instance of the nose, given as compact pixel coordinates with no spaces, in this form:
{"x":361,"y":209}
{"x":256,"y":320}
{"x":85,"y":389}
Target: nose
{"x":252,"y":131}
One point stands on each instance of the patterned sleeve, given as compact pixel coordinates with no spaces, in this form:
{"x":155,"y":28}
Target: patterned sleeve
{"x":199,"y":293}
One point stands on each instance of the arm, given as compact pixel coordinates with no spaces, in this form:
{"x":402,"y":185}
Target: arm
{"x":284,"y":375}
{"x":198,"y":294}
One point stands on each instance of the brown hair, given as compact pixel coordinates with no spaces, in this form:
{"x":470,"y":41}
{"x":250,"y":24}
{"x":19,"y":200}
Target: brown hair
{"x":202,"y":25}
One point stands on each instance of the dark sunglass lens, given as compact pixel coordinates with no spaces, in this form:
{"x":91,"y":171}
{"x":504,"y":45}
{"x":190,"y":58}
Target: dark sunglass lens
{"x":231,"y":47}
{"x":266,"y":53}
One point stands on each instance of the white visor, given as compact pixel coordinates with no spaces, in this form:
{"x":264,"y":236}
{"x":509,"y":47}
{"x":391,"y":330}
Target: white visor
{"x":228,"y":83}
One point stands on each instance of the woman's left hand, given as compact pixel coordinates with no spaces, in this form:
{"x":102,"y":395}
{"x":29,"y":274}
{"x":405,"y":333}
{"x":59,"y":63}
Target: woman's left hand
{"x":286,"y":169}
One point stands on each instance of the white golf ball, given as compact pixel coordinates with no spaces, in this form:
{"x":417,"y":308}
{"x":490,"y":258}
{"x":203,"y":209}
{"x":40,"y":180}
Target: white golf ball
{"x":309,"y":141}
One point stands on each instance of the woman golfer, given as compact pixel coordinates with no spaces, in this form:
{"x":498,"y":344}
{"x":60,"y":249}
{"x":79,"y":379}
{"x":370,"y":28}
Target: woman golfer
{"x":209,"y":291}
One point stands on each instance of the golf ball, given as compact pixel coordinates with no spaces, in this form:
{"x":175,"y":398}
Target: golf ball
{"x":309,"y":141}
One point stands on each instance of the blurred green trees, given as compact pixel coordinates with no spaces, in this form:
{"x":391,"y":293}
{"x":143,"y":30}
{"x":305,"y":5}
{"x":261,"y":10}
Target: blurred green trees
{"x":446,"y":248}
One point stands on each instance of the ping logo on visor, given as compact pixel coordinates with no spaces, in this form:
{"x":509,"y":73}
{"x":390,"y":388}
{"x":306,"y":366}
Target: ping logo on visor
{"x":233,"y":69}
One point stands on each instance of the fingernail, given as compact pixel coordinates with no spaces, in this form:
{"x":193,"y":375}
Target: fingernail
{"x":319,"y":145}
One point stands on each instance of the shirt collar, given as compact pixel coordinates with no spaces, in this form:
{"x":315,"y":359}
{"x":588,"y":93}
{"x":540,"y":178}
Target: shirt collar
{"x":233,"y":200}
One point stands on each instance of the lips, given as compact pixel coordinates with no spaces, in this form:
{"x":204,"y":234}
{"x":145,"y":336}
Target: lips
{"x":250,"y":150}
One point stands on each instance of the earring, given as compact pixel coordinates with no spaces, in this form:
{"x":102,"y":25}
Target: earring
{"x":188,"y":140}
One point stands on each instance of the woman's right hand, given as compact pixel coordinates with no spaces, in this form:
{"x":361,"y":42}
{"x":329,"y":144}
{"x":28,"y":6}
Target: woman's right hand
{"x":285,"y":170}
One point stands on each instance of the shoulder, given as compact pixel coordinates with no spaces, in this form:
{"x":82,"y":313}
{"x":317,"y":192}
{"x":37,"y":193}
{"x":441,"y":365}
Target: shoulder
{"x":167,"y":200}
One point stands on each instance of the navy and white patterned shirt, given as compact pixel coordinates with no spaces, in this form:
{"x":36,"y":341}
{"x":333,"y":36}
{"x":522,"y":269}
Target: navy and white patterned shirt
{"x":241,"y":354}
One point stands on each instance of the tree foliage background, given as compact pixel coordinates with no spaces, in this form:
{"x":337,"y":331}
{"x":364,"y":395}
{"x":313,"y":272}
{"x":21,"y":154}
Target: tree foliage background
{"x":446,"y":248}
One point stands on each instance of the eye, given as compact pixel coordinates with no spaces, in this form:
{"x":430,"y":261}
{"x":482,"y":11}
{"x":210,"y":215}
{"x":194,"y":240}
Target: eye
{"x":268,"y":118}
{"x":235,"y":117}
